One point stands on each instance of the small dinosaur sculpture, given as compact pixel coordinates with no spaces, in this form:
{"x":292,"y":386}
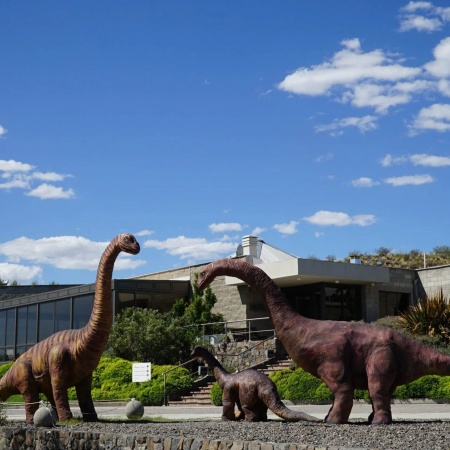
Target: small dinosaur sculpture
{"x":68,"y":358}
{"x":345,"y":355}
{"x":251,"y":391}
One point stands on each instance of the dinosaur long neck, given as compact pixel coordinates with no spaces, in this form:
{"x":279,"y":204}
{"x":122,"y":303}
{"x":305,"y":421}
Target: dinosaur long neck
{"x":279,"y":308}
{"x":96,"y":332}
{"x":211,"y":361}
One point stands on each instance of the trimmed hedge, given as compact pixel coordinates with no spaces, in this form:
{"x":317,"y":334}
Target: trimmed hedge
{"x":111,"y":380}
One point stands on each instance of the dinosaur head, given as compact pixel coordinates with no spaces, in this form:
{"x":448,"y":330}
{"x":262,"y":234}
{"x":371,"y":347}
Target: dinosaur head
{"x":205,"y":277}
{"x":128,"y":244}
{"x":199,"y":352}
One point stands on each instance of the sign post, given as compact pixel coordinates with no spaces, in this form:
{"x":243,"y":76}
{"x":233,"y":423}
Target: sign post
{"x":142,"y":372}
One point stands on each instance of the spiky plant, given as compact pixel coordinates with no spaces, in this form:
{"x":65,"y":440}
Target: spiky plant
{"x":431,"y":316}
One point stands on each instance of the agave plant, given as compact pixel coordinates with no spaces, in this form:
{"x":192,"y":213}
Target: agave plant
{"x":431,"y":316}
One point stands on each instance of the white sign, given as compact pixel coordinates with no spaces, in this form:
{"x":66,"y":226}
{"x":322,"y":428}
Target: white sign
{"x":142,"y":372}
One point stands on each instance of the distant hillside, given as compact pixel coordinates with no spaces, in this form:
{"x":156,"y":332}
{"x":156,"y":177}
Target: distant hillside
{"x":412,"y":260}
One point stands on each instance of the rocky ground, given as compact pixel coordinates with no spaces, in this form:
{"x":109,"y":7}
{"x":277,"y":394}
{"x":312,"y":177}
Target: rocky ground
{"x":411,"y":435}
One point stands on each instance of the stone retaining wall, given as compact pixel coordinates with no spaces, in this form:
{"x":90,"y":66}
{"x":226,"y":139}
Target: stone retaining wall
{"x":55,"y":439}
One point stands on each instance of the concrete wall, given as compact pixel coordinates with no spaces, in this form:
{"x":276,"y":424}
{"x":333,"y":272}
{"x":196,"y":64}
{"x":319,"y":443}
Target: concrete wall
{"x":434,"y":279}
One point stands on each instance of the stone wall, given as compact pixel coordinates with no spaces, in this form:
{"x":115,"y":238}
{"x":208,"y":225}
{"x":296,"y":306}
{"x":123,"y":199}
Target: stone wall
{"x":32,"y":438}
{"x":242,"y":355}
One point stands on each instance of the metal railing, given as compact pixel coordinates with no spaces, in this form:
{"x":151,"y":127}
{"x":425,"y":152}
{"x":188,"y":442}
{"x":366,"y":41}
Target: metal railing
{"x":170,"y":370}
{"x":240,"y":332}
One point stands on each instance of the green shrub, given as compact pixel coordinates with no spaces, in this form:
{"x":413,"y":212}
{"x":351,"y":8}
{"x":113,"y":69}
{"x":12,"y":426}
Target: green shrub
{"x":280,"y":378}
{"x":301,"y":385}
{"x":216,"y":394}
{"x":425,"y":387}
{"x":323,"y":394}
{"x":5,"y":367}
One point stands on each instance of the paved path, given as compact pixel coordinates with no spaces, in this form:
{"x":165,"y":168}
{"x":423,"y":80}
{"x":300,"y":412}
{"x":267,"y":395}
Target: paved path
{"x":419,"y":410}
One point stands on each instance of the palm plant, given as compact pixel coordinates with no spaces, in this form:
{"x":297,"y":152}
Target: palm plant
{"x":431,"y":316}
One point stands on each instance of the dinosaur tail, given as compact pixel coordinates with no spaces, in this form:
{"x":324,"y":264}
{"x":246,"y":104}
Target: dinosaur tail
{"x":281,"y":410}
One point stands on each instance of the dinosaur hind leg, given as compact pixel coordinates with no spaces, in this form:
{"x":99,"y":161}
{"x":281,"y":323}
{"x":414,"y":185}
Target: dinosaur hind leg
{"x":85,"y":401}
{"x":381,"y":370}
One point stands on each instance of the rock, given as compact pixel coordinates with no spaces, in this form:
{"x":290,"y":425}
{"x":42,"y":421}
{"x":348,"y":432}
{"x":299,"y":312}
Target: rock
{"x":134,"y":409}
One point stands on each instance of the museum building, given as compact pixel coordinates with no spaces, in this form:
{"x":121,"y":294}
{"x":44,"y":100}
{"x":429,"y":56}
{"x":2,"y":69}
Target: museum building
{"x":315,"y":288}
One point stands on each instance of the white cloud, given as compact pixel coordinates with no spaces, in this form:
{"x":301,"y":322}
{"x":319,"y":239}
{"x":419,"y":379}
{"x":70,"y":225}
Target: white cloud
{"x":389,"y":160}
{"x":224,"y":227}
{"x":363,"y":124}
{"x":423,"y":16}
{"x":14,"y":166}
{"x":415,"y":180}
{"x":363,"y":220}
{"x":286,"y":228}
{"x":435,"y":117}
{"x":47,"y":191}
{"x":21,"y":274}
{"x":420,"y":23}
{"x":364,"y":182}
{"x":257,"y":231}
{"x":440,"y":66}
{"x":323,"y":158}
{"x":193,"y":249}
{"x":422,"y":159}
{"x":20,"y":175}
{"x":144,"y":233}
{"x":63,"y":252}
{"x":3,"y":131}
{"x":414,"y":6}
{"x":339,"y":219}
{"x":16,"y":181}
{"x":49,"y":176}
{"x":346,"y":68}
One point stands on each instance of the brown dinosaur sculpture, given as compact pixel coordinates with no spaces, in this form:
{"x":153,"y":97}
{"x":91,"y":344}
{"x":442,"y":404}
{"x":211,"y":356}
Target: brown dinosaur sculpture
{"x":251,"y":391}
{"x":68,"y":358}
{"x":345,"y":355}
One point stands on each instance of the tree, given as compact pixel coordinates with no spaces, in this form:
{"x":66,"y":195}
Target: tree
{"x":383,"y":251}
{"x":442,"y":250}
{"x":199,"y":309}
{"x":164,"y":338}
{"x":140,"y":334}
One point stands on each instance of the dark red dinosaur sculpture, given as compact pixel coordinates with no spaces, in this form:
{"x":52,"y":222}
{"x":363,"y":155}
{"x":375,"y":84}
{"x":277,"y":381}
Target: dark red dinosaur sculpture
{"x":69,"y":357}
{"x":345,"y":355}
{"x":251,"y":391}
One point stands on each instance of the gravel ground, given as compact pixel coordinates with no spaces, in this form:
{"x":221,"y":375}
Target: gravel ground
{"x":411,"y":435}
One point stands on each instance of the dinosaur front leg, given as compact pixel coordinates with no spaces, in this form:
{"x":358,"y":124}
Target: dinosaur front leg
{"x":60,"y":371}
{"x":342,"y":389}
{"x":84,"y":395}
{"x":228,"y":403}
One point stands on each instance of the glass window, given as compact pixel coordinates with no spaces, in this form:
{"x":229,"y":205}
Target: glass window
{"x":82,"y":308}
{"x":62,"y":315}
{"x":125,"y":300}
{"x":342,"y":303}
{"x":21,"y":325}
{"x":45,"y":320}
{"x":392,"y":303}
{"x":2,"y":328}
{"x":32,"y":324}
{"x":20,"y":350}
{"x":10,"y":326}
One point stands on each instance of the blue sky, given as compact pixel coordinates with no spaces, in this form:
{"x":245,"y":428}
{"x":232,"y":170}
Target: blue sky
{"x":321,"y":127}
